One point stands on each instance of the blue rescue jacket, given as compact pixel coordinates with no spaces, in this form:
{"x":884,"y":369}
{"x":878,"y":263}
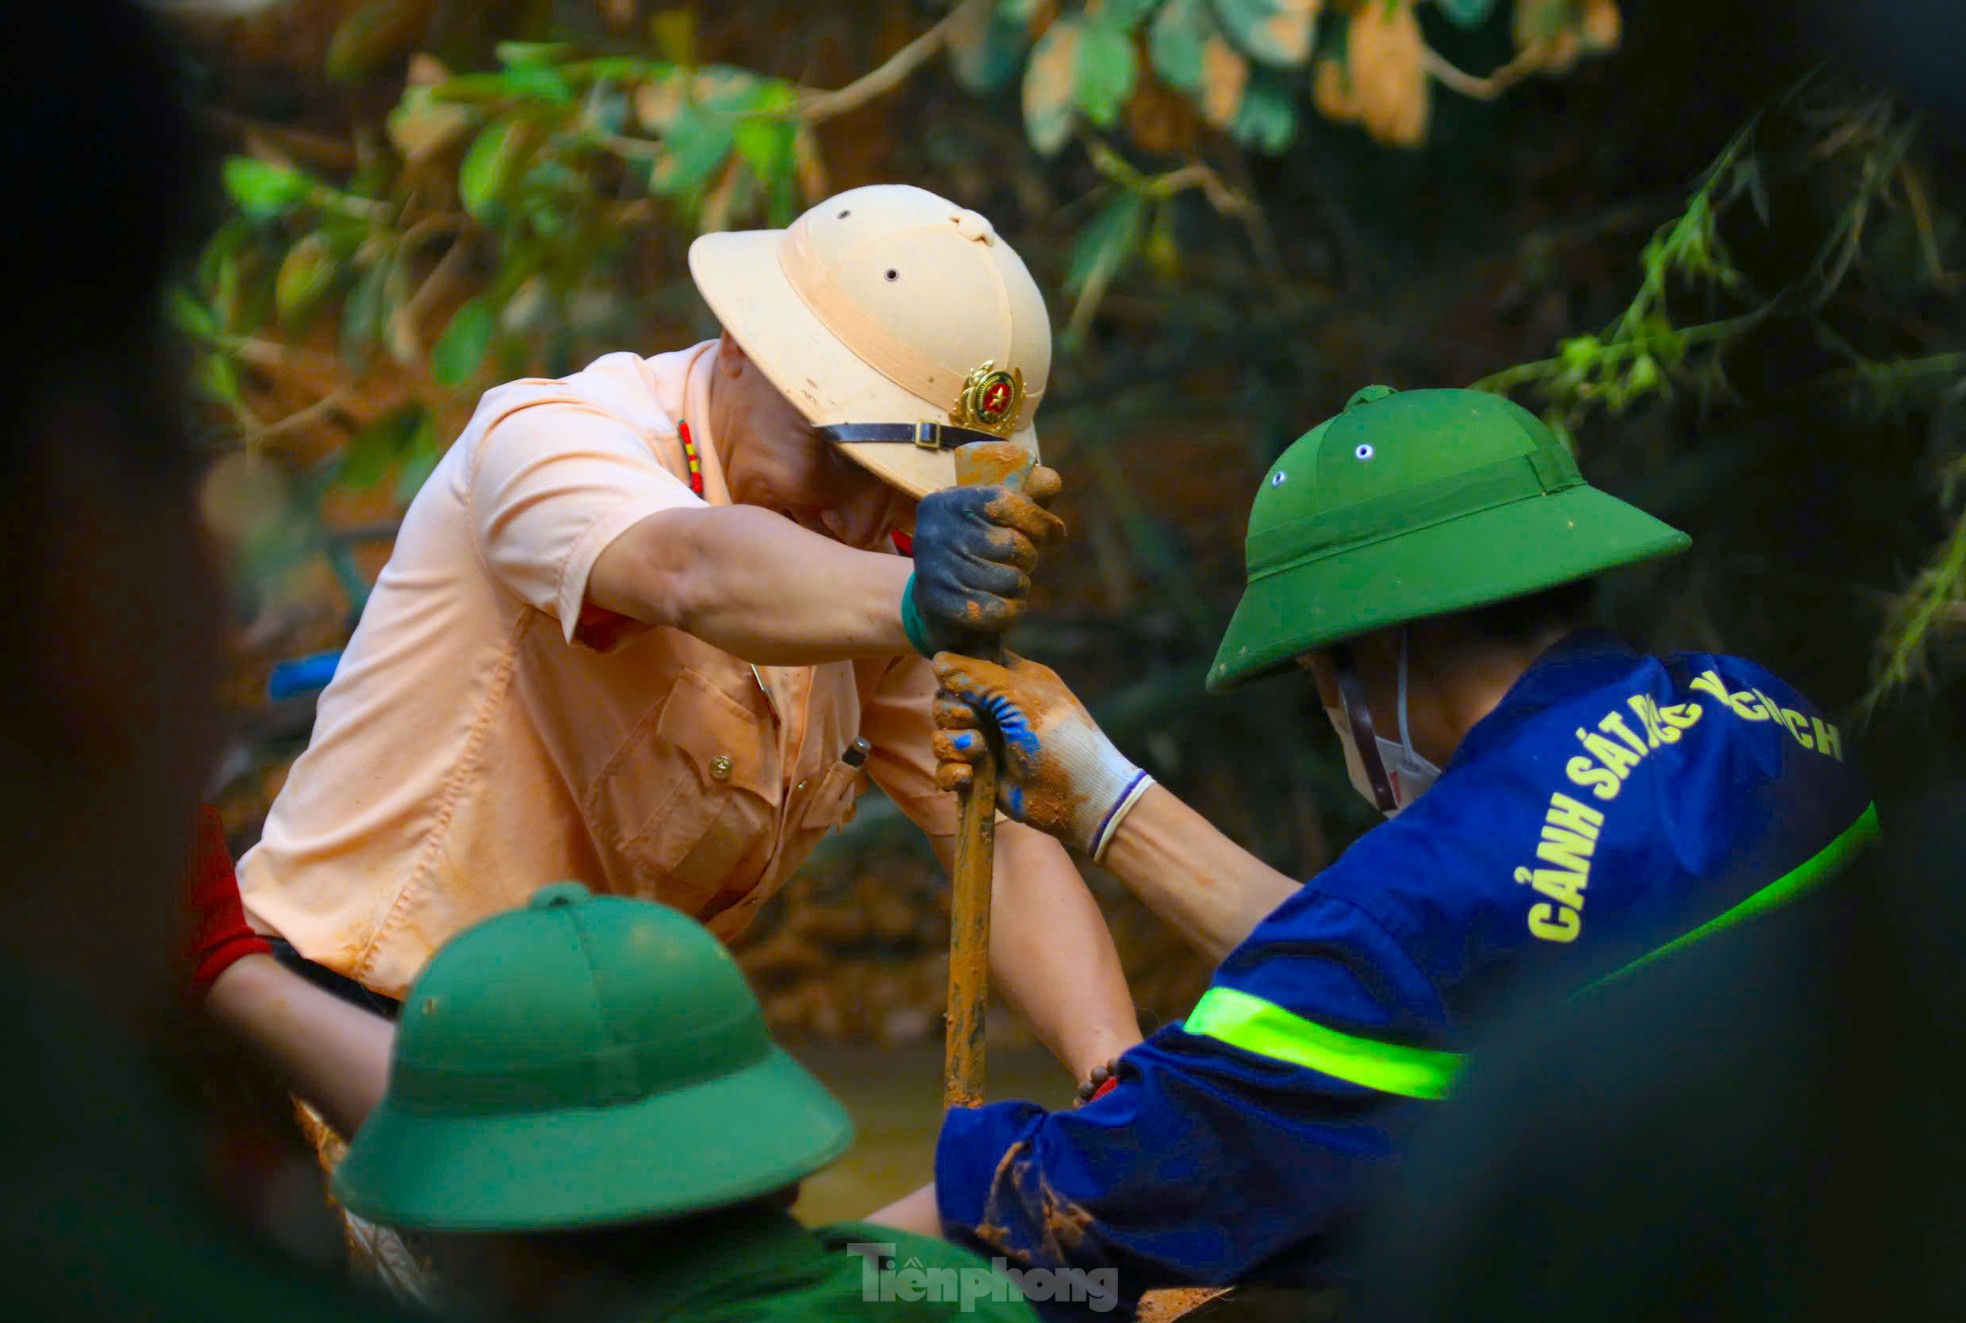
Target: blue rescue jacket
{"x":1612,"y":806}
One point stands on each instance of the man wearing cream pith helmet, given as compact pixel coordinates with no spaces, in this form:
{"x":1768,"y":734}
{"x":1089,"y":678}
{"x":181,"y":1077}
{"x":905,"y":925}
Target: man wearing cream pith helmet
{"x":644,"y":626}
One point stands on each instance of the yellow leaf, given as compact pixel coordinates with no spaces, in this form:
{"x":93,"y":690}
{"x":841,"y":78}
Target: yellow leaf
{"x":1330,"y":94}
{"x":674,"y":31}
{"x":1561,"y":51}
{"x":425,"y":71}
{"x":1291,"y":29}
{"x":1224,"y":75}
{"x":1540,"y":20}
{"x":420,"y":127}
{"x":241,"y":495}
{"x":658,"y":103}
{"x":1388,"y":76}
{"x":1603,"y":27}
{"x":1049,"y":80}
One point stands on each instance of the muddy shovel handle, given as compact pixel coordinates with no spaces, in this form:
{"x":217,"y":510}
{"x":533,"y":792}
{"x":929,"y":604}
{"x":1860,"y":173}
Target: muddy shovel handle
{"x":979,"y":463}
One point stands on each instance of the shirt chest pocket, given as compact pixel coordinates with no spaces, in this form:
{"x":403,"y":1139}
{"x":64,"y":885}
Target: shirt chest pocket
{"x":700,"y":790}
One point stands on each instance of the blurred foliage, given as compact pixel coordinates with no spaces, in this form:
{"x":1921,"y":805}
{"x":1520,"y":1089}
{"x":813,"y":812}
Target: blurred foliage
{"x":524,"y":215}
{"x":1241,"y":211}
{"x":1875,"y":257}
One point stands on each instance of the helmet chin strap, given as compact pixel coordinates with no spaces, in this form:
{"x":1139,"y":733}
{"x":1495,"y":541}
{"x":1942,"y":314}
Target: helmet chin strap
{"x":1352,"y":693}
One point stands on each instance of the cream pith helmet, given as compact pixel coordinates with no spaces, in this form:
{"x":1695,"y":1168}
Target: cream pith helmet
{"x":888,"y":312}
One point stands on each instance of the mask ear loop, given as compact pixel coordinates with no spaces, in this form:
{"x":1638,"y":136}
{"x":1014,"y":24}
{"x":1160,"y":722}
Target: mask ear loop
{"x":1352,"y":695}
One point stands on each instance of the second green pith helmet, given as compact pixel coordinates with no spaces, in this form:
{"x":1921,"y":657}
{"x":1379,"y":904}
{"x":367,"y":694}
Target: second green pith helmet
{"x":1414,"y":504}
{"x":582,"y":1062}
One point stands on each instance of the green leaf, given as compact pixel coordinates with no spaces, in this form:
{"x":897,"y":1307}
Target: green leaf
{"x":766,"y":147}
{"x":1466,"y":13}
{"x":1267,"y":117}
{"x":1106,"y":72}
{"x":540,"y":82}
{"x":1122,"y":14}
{"x":420,"y":124}
{"x":725,"y":88}
{"x":455,"y":358}
{"x":618,"y":69}
{"x":984,"y":52}
{"x":369,"y":455}
{"x":222,"y":249}
{"x":607,"y":108}
{"x":1180,"y":30}
{"x":305,"y":275}
{"x":262,"y":189}
{"x":191,"y":316}
{"x":218,"y":377}
{"x":517,"y":54}
{"x":420,"y":455}
{"x":1276,"y":32}
{"x":487,"y":168}
{"x":1105,"y":243}
{"x":696,"y":146}
{"x":362,"y":313}
{"x":1050,"y":81}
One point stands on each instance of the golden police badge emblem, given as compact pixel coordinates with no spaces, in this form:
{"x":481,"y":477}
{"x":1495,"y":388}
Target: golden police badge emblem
{"x":990,"y":400}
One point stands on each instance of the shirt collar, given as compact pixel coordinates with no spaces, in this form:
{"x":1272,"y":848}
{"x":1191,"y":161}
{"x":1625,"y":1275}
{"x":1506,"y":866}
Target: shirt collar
{"x":696,"y":410}
{"x":1581,"y":661}
{"x":684,"y":396}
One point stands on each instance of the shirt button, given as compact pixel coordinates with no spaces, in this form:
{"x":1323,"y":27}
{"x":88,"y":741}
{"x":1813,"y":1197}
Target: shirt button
{"x":800,"y":788}
{"x":720,"y":767}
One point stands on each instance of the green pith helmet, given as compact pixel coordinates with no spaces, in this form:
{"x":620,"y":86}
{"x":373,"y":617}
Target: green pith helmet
{"x":583,"y":1061}
{"x":1414,"y":504}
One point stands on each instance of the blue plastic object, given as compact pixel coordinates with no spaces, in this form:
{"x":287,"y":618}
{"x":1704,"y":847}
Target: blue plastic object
{"x":302,"y":675}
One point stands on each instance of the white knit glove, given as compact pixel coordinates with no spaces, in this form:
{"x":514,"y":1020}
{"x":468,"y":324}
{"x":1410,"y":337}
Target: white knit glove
{"x":1060,"y":772}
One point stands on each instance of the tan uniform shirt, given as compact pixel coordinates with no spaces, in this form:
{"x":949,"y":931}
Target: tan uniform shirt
{"x":479,"y":740}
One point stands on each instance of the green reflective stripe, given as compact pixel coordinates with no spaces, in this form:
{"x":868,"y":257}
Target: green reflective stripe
{"x":1268,"y":1030}
{"x":1819,"y":867}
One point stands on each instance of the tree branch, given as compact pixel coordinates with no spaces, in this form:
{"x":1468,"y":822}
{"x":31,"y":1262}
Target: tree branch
{"x":880,"y":81}
{"x":1526,"y":62}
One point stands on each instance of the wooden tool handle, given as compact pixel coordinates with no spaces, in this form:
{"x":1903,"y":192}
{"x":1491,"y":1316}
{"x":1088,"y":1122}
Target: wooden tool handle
{"x":982,"y":462}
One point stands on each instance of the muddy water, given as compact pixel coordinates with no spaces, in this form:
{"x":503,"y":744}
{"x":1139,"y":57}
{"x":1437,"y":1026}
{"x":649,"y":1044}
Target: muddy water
{"x":895,"y":1097}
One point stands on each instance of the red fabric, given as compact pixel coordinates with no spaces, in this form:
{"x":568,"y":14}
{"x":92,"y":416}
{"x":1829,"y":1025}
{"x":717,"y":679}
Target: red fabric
{"x":1104,"y":1089}
{"x":219,"y":932}
{"x":902,"y":542}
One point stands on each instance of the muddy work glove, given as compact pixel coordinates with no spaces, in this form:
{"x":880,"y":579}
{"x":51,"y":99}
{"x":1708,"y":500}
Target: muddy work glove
{"x":1060,"y":772}
{"x":975,"y":549}
{"x":219,"y":934}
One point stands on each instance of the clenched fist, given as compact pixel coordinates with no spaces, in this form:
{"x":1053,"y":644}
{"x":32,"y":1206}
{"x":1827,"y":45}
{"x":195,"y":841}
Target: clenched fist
{"x":975,"y":550}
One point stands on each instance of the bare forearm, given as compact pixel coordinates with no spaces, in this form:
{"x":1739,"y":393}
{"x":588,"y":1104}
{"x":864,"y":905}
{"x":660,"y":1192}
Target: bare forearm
{"x":756,"y":585}
{"x":916,"y":1212}
{"x":331,"y":1053}
{"x":1203,"y":884}
{"x":1052,"y":955}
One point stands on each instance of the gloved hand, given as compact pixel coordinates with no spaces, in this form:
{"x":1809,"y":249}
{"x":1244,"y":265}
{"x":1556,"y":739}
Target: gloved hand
{"x":975,"y":548}
{"x":219,"y":932}
{"x":1060,"y":772}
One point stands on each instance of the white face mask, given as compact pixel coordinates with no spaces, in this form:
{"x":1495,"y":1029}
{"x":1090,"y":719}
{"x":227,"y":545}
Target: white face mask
{"x":1410,"y":774}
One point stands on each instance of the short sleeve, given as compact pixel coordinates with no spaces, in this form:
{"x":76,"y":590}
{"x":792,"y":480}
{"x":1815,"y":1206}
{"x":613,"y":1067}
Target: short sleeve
{"x":552,"y":484}
{"x":899,"y":721}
